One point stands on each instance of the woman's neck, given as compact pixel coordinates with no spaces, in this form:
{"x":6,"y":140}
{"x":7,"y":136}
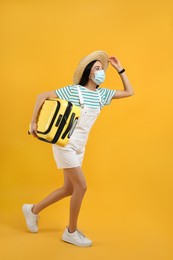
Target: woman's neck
{"x":91,"y":85}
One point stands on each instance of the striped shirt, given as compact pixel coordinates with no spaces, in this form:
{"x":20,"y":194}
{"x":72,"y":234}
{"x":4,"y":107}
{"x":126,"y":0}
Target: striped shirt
{"x":91,"y":98}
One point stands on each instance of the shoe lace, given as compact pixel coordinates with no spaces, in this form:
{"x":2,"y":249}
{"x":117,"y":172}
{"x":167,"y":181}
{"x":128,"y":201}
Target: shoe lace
{"x":80,"y":233}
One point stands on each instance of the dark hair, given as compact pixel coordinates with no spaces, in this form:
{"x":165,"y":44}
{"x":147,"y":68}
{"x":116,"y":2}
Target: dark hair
{"x":85,"y":76}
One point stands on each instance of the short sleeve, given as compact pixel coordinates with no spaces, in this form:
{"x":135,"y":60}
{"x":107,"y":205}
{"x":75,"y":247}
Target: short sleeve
{"x":107,"y":95}
{"x":64,"y":93}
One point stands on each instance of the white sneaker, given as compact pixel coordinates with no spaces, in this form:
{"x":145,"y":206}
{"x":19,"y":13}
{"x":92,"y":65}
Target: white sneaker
{"x":31,"y":219}
{"x":76,"y":238}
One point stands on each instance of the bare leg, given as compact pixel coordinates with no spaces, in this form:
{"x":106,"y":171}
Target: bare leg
{"x":55,"y":196}
{"x":79,"y":188}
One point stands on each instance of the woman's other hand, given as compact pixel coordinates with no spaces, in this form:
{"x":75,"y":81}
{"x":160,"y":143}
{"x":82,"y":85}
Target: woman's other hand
{"x":115,"y":63}
{"x":33,"y":129}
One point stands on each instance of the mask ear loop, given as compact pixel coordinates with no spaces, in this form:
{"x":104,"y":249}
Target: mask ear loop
{"x":81,"y":101}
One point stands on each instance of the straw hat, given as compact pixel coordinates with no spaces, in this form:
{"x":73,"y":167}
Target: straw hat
{"x":97,"y":55}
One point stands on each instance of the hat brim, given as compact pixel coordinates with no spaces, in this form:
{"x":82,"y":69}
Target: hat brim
{"x":97,"y":55}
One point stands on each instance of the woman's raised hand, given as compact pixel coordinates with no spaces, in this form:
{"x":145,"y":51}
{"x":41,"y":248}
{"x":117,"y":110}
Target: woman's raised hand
{"x":115,"y":63}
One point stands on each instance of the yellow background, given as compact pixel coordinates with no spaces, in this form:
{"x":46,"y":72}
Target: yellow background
{"x":127,"y":210}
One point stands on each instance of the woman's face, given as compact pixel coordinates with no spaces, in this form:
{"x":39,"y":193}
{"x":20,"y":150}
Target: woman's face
{"x":97,"y":66}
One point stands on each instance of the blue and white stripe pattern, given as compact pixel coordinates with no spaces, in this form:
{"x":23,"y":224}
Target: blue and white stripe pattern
{"x":91,"y":98}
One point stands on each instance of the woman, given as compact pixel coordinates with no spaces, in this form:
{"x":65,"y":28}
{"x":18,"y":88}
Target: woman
{"x":85,"y":93}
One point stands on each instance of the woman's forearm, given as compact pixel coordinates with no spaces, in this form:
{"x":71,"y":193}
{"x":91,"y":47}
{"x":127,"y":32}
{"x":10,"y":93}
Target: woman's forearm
{"x":39,"y":102}
{"x":126,"y":84}
{"x":128,"y":90}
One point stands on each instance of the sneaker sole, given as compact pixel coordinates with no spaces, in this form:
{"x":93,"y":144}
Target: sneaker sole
{"x":68,"y":240}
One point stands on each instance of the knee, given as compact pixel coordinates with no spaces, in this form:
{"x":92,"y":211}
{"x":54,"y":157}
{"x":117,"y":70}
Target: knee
{"x":82,"y":189}
{"x":68,"y":191}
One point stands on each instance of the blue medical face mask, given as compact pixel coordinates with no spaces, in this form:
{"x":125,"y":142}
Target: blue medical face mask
{"x":99,"y":77}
